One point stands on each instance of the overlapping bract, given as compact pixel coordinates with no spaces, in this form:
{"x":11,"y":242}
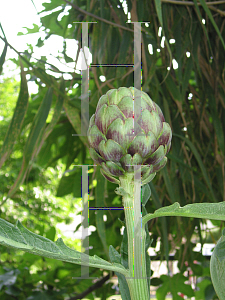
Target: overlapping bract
{"x":116,"y":147}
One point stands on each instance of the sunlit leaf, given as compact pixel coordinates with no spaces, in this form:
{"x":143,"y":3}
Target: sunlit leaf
{"x":2,"y":58}
{"x":18,"y":237}
{"x":214,"y":211}
{"x":17,"y":119}
{"x":33,"y":140}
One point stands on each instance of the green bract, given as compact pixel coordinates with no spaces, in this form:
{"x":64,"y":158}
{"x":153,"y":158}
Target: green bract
{"x":113,"y":143}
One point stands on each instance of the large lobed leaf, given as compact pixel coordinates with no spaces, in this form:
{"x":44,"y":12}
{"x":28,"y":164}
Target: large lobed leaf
{"x":174,"y":284}
{"x":213,"y":211}
{"x":21,"y":238}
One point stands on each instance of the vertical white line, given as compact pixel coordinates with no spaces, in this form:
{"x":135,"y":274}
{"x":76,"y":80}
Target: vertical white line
{"x":85,"y":223}
{"x":85,"y":81}
{"x":137,"y":169}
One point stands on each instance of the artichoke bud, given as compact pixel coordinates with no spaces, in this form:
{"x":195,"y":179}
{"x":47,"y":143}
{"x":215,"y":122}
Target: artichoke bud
{"x":115,"y":146}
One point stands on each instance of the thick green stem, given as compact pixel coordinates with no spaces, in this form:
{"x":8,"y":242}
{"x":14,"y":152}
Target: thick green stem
{"x":137,"y":280}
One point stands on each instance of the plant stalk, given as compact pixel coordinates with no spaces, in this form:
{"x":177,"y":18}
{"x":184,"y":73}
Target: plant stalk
{"x":137,"y":280}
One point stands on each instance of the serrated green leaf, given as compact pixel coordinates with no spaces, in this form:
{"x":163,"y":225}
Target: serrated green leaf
{"x":30,"y":30}
{"x":174,"y":285}
{"x":18,"y":237}
{"x":214,"y":211}
{"x":52,"y":5}
{"x":40,"y":43}
{"x":50,"y":21}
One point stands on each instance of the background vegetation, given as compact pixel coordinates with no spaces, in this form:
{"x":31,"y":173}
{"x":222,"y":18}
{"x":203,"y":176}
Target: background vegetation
{"x":183,"y":61}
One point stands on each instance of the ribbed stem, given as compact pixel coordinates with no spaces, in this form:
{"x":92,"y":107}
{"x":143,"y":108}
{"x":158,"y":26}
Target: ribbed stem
{"x":137,"y":282}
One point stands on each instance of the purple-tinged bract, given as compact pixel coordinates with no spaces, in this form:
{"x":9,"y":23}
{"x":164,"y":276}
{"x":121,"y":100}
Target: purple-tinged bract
{"x":117,"y":147}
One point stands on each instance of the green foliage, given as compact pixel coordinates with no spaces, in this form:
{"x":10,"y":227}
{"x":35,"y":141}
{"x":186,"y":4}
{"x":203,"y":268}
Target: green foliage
{"x":30,"y":30}
{"x":197,"y":210}
{"x":217,"y":265}
{"x":174,"y":285}
{"x":21,"y":238}
{"x":8,"y":98}
{"x":115,"y":258}
{"x":2,"y":58}
{"x":39,"y":184}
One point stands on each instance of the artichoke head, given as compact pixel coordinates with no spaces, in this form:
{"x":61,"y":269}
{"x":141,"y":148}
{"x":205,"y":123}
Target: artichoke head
{"x":117,"y":147}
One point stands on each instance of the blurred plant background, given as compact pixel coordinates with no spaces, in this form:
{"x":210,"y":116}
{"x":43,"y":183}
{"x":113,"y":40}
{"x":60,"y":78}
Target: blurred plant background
{"x":183,"y":69}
